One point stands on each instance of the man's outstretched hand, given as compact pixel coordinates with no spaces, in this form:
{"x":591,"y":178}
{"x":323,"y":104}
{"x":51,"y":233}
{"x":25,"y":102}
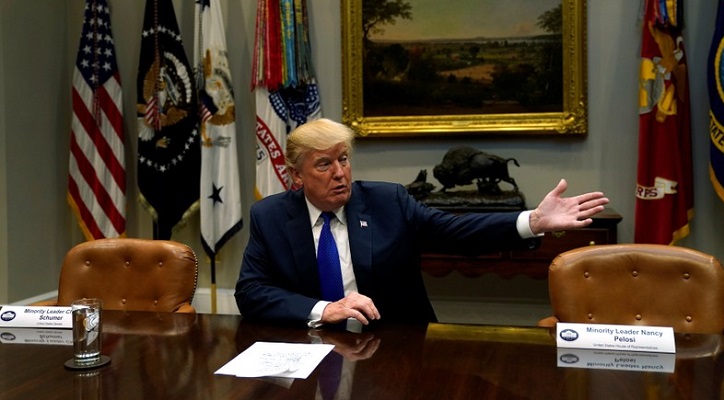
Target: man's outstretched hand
{"x":556,"y":213}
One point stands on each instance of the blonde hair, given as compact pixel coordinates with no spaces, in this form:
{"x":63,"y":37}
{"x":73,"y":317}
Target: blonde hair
{"x":317,"y":135}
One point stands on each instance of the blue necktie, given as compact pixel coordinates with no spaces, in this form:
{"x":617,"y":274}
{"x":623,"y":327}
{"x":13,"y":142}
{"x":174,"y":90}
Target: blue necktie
{"x":330,"y":375}
{"x":330,"y":271}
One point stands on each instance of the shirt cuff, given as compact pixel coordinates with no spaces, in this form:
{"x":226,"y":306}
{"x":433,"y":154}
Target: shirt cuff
{"x":315,"y":316}
{"x":523,"y":225}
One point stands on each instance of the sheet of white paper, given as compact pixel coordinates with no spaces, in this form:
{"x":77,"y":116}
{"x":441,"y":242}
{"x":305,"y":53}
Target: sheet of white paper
{"x":284,"y":360}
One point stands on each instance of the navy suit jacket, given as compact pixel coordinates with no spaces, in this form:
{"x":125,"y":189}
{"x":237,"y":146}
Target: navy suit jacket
{"x":388,"y":229}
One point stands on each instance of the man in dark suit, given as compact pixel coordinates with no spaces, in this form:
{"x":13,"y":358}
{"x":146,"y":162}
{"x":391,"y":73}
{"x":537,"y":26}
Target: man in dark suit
{"x":380,"y":232}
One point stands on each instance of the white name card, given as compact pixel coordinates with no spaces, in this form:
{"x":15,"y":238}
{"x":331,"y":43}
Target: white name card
{"x":637,"y":338}
{"x":35,"y":317}
{"x":58,"y":337}
{"x":616,"y":360}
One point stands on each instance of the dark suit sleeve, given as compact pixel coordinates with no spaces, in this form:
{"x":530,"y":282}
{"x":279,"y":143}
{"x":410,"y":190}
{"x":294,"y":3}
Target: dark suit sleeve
{"x":269,"y":287}
{"x":388,"y":230}
{"x":469,"y":233}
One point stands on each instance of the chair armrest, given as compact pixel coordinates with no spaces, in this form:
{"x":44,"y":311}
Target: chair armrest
{"x":186,"y":308}
{"x":45,"y":303}
{"x":548,"y":322}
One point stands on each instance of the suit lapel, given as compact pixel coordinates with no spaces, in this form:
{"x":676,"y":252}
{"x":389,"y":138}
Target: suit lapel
{"x":301,"y":241}
{"x":359,"y":230}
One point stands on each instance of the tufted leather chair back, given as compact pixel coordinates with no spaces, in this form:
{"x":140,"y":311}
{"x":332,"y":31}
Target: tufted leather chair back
{"x":131,"y":274}
{"x":638,"y":284}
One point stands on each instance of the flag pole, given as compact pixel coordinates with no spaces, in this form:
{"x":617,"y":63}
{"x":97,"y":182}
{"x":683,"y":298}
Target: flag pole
{"x":213,"y":284}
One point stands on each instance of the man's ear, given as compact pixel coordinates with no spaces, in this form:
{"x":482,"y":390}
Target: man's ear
{"x":296,"y":178}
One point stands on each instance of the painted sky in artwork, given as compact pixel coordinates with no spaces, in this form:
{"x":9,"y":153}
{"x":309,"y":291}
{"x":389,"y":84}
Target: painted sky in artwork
{"x":455,"y":19}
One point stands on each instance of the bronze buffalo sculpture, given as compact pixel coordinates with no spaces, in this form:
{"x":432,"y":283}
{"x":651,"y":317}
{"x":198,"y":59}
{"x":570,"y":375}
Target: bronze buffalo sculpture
{"x":464,"y":165}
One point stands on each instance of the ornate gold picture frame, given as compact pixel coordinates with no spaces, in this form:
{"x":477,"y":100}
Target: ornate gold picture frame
{"x":564,"y":115}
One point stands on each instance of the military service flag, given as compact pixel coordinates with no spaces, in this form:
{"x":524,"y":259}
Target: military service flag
{"x":284,"y":86}
{"x":169,"y":152}
{"x":96,"y":171}
{"x":664,"y":192}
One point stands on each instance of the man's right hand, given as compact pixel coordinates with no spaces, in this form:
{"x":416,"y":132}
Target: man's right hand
{"x":352,"y":346}
{"x":355,"y":306}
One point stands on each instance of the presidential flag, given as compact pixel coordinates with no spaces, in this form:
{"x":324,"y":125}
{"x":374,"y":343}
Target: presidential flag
{"x":284,"y":87}
{"x":664,"y":192}
{"x":96,"y":171}
{"x":715,"y":75}
{"x":169,"y":149}
{"x":220,"y":195}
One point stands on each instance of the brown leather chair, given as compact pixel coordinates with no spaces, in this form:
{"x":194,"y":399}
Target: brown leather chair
{"x":130,"y":275}
{"x":638,"y":284}
{"x":148,"y":323}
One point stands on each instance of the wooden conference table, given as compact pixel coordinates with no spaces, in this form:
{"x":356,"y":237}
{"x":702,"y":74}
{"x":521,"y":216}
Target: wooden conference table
{"x":174,"y":356}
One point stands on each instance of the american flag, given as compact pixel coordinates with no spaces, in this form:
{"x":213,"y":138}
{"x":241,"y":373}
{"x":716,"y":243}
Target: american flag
{"x":97,"y":173}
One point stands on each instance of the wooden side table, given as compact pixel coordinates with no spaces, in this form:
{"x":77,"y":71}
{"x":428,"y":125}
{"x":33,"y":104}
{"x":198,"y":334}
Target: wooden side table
{"x":533,"y":263}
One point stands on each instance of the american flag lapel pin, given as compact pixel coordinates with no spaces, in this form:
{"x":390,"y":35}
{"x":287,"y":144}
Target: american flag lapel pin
{"x":363,"y":224}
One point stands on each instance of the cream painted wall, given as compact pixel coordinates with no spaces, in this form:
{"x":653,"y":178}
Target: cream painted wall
{"x":38,"y":41}
{"x":35,"y":77}
{"x":4,"y":282}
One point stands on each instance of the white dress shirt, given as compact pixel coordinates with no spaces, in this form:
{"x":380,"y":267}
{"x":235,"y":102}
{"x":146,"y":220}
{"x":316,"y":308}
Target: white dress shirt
{"x":338,"y":227}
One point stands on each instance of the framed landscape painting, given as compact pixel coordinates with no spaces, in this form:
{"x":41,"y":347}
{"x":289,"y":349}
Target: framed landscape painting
{"x":431,"y":67}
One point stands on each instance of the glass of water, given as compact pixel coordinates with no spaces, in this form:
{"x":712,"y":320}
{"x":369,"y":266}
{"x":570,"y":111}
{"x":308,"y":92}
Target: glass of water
{"x":87,"y":331}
